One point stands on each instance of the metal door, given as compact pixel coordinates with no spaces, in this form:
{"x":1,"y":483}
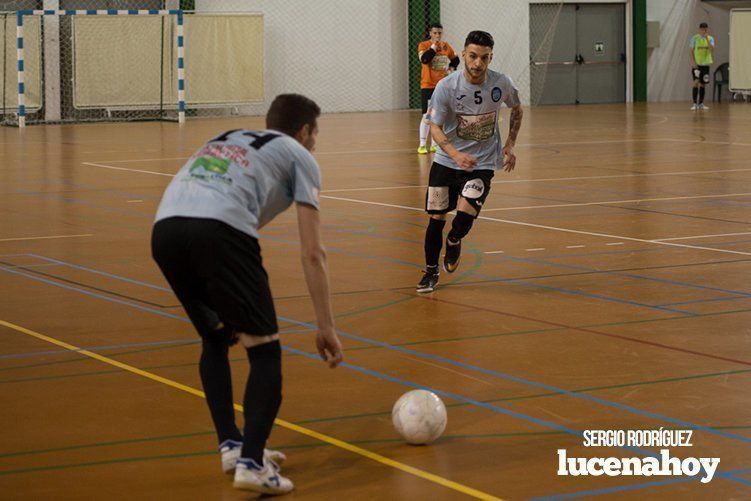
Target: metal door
{"x":577,"y":53}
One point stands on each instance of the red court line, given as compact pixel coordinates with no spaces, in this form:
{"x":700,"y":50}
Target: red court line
{"x":591,"y":331}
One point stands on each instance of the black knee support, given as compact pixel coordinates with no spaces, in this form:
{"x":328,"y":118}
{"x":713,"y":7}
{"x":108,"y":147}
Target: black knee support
{"x":460,"y":226}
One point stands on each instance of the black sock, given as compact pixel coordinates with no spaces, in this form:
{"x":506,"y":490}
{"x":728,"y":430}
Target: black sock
{"x":695,"y":93}
{"x":433,"y":241}
{"x":701,"y":95}
{"x":217,"y":384}
{"x":263,"y":397}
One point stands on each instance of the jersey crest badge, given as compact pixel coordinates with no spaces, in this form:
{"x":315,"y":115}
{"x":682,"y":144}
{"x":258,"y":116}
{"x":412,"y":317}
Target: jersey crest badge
{"x":496,"y":94}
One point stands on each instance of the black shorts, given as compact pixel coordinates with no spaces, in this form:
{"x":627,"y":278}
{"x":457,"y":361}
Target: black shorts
{"x":216,"y":273}
{"x":445,"y":185}
{"x":425,"y":95}
{"x":700,"y":73}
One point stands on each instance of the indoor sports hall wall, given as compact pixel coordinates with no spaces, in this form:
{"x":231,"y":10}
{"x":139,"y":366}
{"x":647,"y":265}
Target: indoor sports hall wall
{"x":348,"y":55}
{"x":668,"y":68}
{"x":506,"y":20}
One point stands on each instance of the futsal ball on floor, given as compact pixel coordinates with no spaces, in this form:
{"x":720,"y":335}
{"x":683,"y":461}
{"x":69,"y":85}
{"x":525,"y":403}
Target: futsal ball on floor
{"x":419,"y":416}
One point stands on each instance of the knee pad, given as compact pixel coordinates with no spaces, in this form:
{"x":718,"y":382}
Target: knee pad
{"x":461,"y":225}
{"x":266,"y":351}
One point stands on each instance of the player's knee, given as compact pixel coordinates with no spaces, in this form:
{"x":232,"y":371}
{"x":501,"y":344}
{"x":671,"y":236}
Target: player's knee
{"x":461,"y":225}
{"x":426,"y":118}
{"x":266,"y":351}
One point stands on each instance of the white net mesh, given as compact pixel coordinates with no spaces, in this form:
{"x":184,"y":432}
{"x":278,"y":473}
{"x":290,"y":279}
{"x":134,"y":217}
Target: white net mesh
{"x":347,"y":55}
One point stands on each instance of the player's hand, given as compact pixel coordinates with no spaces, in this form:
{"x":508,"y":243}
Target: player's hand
{"x":465,"y":161}
{"x":509,"y":158}
{"x":329,"y":347}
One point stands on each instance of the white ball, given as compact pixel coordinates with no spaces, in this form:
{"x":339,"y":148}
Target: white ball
{"x":419,"y":416}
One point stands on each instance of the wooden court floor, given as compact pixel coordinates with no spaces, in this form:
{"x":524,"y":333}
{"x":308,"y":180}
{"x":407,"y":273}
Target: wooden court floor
{"x":605,"y":286}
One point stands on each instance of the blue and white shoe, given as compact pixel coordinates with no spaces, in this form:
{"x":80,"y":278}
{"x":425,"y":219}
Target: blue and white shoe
{"x":231,"y":449}
{"x":266,"y":479}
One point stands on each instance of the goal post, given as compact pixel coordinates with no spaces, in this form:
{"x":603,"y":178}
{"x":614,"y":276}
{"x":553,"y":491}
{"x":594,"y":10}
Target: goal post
{"x":128,"y":75}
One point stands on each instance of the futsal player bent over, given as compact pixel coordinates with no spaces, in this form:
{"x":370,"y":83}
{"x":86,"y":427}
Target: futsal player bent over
{"x":464,"y":124}
{"x":205,"y":241}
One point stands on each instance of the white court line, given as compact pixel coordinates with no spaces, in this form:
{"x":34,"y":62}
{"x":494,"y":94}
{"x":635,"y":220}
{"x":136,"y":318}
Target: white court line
{"x":614,"y":243}
{"x":514,"y":181}
{"x":91,"y":164}
{"x":493,"y":252}
{"x":703,"y":236}
{"x":536,"y":249}
{"x":636,"y":200}
{"x":137,"y":160}
{"x":45,"y":238}
{"x":575,"y":246}
{"x":554,"y":228}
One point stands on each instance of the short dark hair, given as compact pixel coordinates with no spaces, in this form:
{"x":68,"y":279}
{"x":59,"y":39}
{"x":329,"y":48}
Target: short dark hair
{"x":703,"y":25}
{"x":434,"y":25}
{"x":479,"y":38}
{"x":289,"y":112}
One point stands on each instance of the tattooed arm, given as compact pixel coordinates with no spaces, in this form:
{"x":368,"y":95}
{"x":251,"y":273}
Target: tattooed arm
{"x":462,"y":160}
{"x":515,"y":122}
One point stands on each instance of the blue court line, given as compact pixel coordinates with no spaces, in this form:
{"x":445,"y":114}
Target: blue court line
{"x":100,"y":348}
{"x":626,"y":275}
{"x":420,"y":266}
{"x":98,"y":272}
{"x":437,"y":358}
{"x":498,"y":279}
{"x":485,"y":405}
{"x":695,"y":301}
{"x":644,"y":485}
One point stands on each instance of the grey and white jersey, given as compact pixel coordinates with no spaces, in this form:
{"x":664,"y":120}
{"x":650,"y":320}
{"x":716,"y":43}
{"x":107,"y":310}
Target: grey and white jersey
{"x":469,"y":116}
{"x":243,"y":178}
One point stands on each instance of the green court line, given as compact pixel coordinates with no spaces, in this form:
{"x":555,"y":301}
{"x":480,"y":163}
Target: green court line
{"x":81,"y":359}
{"x":286,"y":447}
{"x":548,"y":394}
{"x":106,"y":444}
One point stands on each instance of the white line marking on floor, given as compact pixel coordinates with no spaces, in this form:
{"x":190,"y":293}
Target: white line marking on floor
{"x":575,"y":246}
{"x":494,"y":252}
{"x":552,"y":179}
{"x":606,"y":202}
{"x":91,"y":164}
{"x":614,"y":243}
{"x":554,"y":228}
{"x":703,"y":236}
{"x":134,"y":201}
{"x":536,"y":249}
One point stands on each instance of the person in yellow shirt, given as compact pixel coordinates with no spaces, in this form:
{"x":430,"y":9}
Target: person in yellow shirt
{"x":437,"y":58}
{"x":701,"y":50}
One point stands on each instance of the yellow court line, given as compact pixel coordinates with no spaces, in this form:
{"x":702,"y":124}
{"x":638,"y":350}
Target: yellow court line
{"x":284,"y":424}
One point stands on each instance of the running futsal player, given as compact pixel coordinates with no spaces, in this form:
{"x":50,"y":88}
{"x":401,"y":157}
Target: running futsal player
{"x":437,"y":58}
{"x":205,"y":241}
{"x":464,"y":123}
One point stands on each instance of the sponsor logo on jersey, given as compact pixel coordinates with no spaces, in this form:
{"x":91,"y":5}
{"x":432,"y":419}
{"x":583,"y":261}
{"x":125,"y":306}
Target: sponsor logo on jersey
{"x":476,"y":127}
{"x":459,"y":98}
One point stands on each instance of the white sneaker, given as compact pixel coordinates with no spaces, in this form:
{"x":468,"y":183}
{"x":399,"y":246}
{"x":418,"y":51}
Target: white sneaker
{"x":702,"y":107}
{"x":694,"y":107}
{"x":231,"y":449}
{"x":267,"y":479}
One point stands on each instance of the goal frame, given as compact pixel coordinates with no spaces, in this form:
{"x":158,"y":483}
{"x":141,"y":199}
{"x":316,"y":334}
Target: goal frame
{"x":178,"y":13}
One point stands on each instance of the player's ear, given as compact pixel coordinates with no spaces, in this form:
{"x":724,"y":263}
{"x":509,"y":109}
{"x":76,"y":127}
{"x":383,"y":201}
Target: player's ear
{"x":303,"y":133}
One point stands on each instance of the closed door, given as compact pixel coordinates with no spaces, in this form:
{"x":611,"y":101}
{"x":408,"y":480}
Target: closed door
{"x":577,"y":53}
